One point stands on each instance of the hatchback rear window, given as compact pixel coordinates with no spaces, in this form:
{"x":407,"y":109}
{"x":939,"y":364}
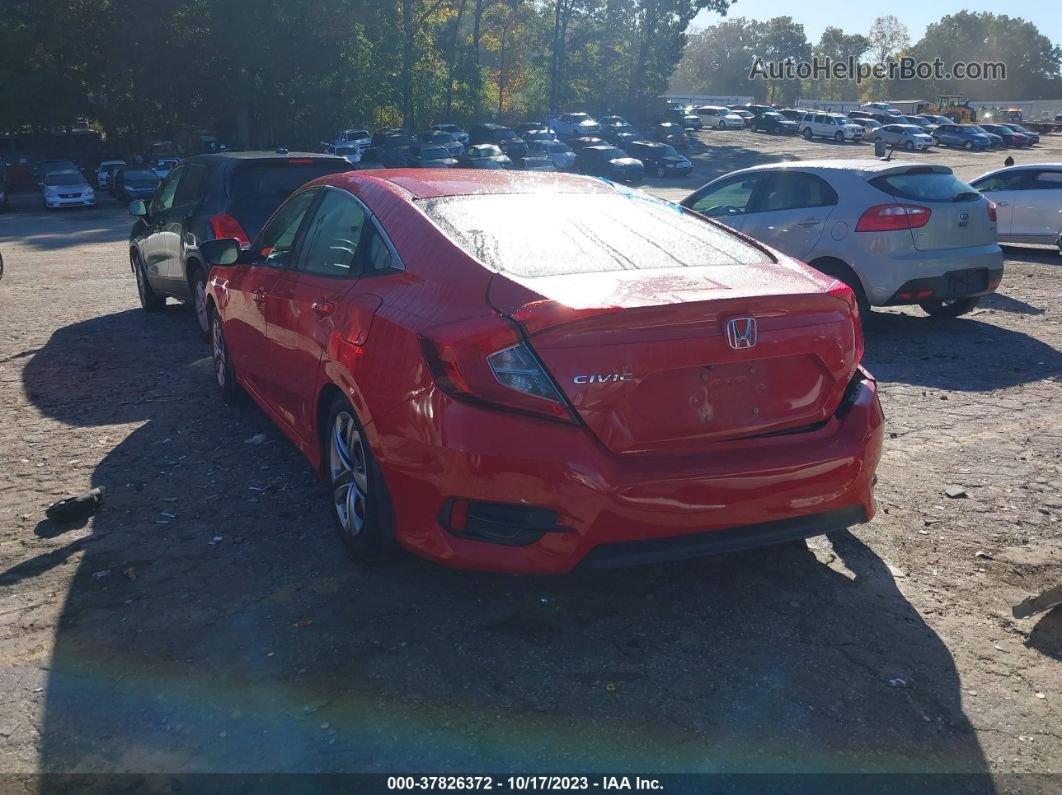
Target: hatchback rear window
{"x":588,"y":233}
{"x":258,"y":188}
{"x":923,"y":186}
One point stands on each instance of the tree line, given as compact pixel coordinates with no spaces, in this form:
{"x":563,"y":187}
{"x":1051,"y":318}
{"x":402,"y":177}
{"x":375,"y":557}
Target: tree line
{"x":290,"y":72}
{"x":717,"y":60}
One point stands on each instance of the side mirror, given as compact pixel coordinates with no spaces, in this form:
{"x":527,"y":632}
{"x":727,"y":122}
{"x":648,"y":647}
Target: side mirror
{"x":138,"y":209}
{"x":221,"y":252}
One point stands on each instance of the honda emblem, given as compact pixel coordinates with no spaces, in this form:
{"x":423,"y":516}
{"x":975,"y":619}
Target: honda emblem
{"x":741,"y":333}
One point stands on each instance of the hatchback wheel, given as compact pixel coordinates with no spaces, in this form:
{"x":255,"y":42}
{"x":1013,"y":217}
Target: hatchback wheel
{"x":722,"y":125}
{"x":150,"y":301}
{"x":361,"y":507}
{"x":953,"y":308}
{"x":197,"y":281}
{"x":224,"y":373}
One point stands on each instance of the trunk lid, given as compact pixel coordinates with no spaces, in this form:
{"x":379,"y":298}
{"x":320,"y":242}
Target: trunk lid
{"x":645,"y":360}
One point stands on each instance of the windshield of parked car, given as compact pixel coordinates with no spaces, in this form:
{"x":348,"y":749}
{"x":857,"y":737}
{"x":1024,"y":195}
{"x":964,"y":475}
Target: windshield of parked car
{"x":433,"y":153}
{"x":64,"y":178}
{"x":589,"y":233}
{"x":138,"y":175}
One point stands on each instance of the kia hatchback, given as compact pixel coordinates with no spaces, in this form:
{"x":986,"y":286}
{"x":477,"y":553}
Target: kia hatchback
{"x":896,"y":233}
{"x":618,"y":382}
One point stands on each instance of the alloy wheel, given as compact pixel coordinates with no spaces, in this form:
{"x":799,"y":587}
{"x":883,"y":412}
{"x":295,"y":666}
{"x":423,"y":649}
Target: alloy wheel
{"x":348,"y":473}
{"x":201,"y":315}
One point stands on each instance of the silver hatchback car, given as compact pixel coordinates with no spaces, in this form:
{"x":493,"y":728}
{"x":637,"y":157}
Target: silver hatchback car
{"x":896,"y":233}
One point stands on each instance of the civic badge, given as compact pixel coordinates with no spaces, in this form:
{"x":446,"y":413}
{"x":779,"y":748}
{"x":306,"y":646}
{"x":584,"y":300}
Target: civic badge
{"x":741,"y":333}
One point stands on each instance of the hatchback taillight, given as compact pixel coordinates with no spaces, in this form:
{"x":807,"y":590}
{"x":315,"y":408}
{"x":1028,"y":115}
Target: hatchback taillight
{"x":225,"y":227}
{"x":488,"y":361}
{"x":891,"y":217}
{"x":992,"y":211}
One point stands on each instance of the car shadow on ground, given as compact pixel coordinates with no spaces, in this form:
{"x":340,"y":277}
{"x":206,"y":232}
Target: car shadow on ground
{"x":80,"y":226}
{"x":1032,"y":255}
{"x":214,"y":624}
{"x":965,"y":354}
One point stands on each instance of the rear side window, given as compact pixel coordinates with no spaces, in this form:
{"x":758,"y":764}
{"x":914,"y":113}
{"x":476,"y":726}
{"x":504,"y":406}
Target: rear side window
{"x":593,"y":233}
{"x":793,"y":190}
{"x":257,"y":188}
{"x":931,"y":187}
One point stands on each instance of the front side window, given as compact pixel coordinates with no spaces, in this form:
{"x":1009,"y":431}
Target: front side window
{"x":164,"y":196}
{"x":276,"y":243}
{"x":732,"y":197}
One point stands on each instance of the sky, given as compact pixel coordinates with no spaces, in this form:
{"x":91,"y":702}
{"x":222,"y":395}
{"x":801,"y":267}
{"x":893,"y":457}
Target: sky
{"x":857,"y":17}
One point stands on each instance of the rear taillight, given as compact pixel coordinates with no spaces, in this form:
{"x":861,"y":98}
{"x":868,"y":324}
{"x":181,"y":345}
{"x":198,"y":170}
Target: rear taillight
{"x":225,"y":227}
{"x":843,"y":291}
{"x":891,"y":217}
{"x":992,"y":211}
{"x":488,"y":361}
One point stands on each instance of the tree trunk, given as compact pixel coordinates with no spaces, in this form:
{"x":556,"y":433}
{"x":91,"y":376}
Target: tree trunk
{"x":452,"y":71}
{"x":408,"y":33}
{"x":637,"y":81}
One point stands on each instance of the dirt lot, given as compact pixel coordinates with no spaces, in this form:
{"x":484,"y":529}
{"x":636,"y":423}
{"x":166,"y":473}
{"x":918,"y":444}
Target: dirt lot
{"x":208,"y":620}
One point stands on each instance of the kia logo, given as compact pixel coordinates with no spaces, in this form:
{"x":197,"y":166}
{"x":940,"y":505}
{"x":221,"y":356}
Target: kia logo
{"x":741,"y":333}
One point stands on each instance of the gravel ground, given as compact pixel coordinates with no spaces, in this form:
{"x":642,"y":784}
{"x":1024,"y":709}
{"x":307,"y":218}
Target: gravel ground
{"x":208,"y":620}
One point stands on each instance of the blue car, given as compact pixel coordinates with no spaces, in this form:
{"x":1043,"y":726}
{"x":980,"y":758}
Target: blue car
{"x":966,"y":136}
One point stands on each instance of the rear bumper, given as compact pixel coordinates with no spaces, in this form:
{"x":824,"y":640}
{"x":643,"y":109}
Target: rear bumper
{"x":620,"y":510}
{"x":896,"y":272}
{"x":963,"y":283}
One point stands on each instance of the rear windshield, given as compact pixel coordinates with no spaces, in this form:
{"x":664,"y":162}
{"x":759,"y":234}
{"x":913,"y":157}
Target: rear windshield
{"x":930,"y":187}
{"x":256,"y":189}
{"x":589,"y":233}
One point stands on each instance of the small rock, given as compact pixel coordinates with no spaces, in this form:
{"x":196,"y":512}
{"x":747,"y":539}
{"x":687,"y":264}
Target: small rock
{"x":897,"y":682}
{"x":610,"y":687}
{"x":216,"y":540}
{"x":955,"y":492}
{"x":1040,"y":695}
{"x":943,"y":397}
{"x":258,"y":438}
{"x":99,"y":575}
{"x":982,"y":554}
{"x":130,"y":573}
{"x":972,"y":692}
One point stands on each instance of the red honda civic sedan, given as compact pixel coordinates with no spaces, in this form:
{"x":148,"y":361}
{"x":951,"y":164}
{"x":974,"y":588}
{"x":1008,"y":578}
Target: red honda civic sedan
{"x":529,"y":372}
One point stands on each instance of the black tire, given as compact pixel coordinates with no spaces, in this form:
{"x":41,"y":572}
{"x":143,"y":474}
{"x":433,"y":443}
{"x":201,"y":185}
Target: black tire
{"x":361,"y":506}
{"x":838,"y":136}
{"x":1,"y":265}
{"x":908,"y":145}
{"x":224,"y":372}
{"x":950,"y":309}
{"x":968,"y":146}
{"x":197,"y":285}
{"x":150,"y":301}
{"x":660,"y":171}
{"x":843,"y":273}
{"x":808,"y":134}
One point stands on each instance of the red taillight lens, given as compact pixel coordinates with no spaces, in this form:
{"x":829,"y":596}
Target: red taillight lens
{"x":488,"y":361}
{"x":992,"y":211}
{"x":891,"y":217}
{"x":224,"y":226}
{"x":843,"y":291}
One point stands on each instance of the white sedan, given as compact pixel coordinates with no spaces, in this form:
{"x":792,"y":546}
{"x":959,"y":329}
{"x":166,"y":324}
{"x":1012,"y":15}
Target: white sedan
{"x":1028,"y":202}
{"x":909,"y":136}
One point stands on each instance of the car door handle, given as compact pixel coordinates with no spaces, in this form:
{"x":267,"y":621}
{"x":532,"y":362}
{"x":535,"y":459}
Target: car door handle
{"x":259,"y":296}
{"x":1002,"y":204}
{"x":323,"y":308}
{"x":810,"y":221}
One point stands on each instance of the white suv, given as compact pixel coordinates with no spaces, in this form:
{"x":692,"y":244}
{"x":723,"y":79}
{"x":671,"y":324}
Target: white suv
{"x":831,"y":125}
{"x":720,"y":118}
{"x":574,"y":125}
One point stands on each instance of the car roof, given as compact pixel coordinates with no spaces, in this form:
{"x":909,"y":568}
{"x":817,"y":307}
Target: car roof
{"x":867,"y":167}
{"x":419,"y":184}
